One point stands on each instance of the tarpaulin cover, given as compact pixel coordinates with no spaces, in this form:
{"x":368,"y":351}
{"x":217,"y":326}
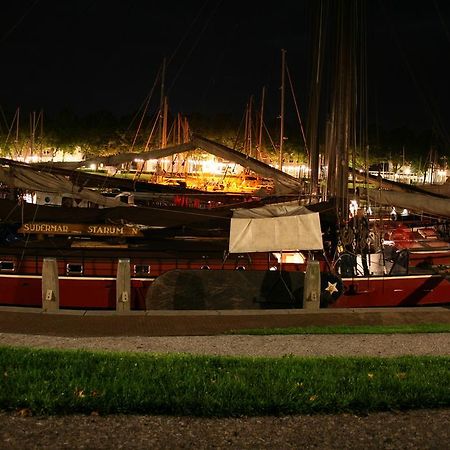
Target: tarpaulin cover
{"x":276,"y":227}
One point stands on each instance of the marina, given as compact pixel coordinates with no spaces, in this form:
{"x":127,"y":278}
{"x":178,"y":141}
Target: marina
{"x":165,"y":217}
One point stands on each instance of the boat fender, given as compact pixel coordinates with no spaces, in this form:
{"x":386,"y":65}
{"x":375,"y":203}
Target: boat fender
{"x":331,"y":288}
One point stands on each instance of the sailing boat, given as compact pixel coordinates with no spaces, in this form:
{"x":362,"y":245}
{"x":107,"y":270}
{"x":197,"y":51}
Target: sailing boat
{"x":181,"y":263}
{"x":377,"y":266}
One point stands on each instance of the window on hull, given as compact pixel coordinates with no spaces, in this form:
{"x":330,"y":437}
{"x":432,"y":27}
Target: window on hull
{"x":141,"y":270}
{"x":74,"y":269}
{"x":7,"y":266}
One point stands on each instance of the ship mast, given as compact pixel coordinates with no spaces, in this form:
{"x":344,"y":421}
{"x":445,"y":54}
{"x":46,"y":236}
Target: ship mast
{"x":261,"y":124}
{"x":283,"y":71}
{"x":161,"y":104}
{"x":314,"y":101}
{"x":341,"y":126}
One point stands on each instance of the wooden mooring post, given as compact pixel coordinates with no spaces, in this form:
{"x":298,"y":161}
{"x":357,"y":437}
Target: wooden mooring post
{"x":50,"y":285}
{"x":311,"y":293}
{"x":123,"y":286}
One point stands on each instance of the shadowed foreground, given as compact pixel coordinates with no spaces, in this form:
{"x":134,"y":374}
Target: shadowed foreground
{"x":423,"y":429}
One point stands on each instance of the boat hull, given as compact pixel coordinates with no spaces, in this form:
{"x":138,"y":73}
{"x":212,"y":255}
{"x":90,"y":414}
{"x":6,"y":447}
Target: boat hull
{"x":87,"y":279}
{"x":100,"y":292}
{"x":395,"y":291}
{"x":74,"y":292}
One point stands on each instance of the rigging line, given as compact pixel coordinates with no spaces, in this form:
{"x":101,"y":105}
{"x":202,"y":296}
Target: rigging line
{"x":10,"y":129}
{"x":4,"y":118}
{"x":269,"y":136}
{"x":297,"y":109}
{"x":218,"y":62}
{"x":19,"y":21}
{"x":172,"y":56}
{"x":144,"y":112}
{"x":144,"y":107}
{"x":363,"y":91}
{"x":146,"y":100}
{"x":239,"y":131}
{"x":171,"y":133}
{"x":156,"y":119}
{"x":11,"y":211}
{"x":235,"y":143}
{"x":427,"y":102}
{"x":357,"y":84}
{"x":441,"y":18}
{"x":189,"y":53}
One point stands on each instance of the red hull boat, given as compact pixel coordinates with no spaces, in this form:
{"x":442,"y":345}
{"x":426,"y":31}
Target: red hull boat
{"x":87,"y":278}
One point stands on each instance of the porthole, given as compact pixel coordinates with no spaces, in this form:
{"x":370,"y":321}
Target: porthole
{"x":6,"y":266}
{"x":142,"y":270}
{"x":74,"y":269}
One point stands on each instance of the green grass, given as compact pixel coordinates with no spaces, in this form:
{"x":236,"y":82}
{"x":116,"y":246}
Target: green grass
{"x":64,"y":382}
{"x":343,"y":329}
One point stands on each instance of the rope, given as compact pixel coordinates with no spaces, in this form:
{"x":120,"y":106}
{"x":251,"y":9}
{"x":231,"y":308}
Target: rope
{"x":11,"y":30}
{"x":297,"y":110}
{"x":199,"y":36}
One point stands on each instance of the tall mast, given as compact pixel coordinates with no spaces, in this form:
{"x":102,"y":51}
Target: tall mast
{"x":164,"y":123}
{"x":283,"y":63}
{"x":17,"y":125}
{"x":41,"y":130}
{"x":261,"y":123}
{"x":249,"y":130}
{"x":32,"y":131}
{"x":161,"y":104}
{"x":246,"y":121}
{"x":178,"y":128}
{"x":317,"y":63}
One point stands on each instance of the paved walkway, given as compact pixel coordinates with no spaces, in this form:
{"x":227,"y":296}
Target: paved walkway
{"x":313,"y":345}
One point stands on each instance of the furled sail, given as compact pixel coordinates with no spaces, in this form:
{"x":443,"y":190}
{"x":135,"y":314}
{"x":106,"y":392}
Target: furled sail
{"x":419,"y":203}
{"x":284,"y":183}
{"x":23,"y":177}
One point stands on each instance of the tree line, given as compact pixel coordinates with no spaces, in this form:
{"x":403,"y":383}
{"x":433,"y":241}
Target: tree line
{"x":103,"y":132}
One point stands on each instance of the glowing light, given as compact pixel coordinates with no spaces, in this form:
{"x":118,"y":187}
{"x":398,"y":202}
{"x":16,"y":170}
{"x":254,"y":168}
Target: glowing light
{"x":213,"y":167}
{"x":290,"y":257}
{"x":32,"y":158}
{"x":29,"y":198}
{"x":353,"y":207}
{"x":394,"y":213}
{"x":405,"y":212}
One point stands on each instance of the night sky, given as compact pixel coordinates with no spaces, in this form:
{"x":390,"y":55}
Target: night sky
{"x":89,"y":55}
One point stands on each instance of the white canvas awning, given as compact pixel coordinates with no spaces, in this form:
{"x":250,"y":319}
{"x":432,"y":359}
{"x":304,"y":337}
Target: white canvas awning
{"x":277,"y":227}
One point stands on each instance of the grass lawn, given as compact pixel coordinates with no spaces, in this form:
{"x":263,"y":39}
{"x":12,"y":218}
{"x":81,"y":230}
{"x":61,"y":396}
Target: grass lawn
{"x":344,"y":329}
{"x":64,"y":382}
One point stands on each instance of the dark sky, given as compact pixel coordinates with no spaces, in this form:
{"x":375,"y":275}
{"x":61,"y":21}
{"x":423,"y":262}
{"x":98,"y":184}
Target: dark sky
{"x":90,"y":55}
